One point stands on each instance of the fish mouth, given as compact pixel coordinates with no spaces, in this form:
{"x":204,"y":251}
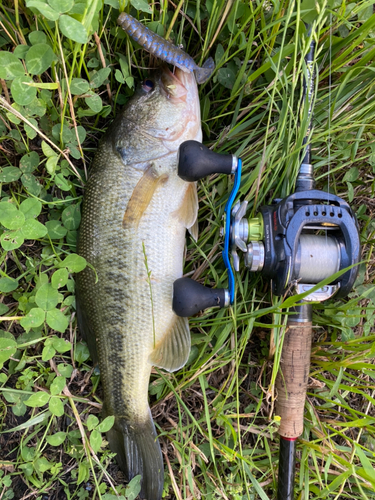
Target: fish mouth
{"x":180,"y":89}
{"x":174,"y":84}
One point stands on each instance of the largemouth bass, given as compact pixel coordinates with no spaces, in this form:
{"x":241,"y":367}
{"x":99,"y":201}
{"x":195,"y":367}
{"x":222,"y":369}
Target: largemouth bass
{"x":161,"y":48}
{"x":135,"y":214}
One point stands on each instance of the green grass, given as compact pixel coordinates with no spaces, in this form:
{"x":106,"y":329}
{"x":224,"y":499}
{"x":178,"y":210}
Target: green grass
{"x":215,"y":417}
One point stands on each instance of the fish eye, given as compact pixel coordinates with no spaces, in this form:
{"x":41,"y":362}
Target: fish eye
{"x":148,"y":85}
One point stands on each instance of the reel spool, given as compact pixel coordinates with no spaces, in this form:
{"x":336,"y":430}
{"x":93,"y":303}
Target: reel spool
{"x":283,"y":244}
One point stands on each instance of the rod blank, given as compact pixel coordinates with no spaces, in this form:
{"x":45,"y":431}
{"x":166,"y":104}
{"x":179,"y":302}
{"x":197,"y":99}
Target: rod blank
{"x":287,"y":458}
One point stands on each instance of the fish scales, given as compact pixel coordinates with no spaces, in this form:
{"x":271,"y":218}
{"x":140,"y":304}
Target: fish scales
{"x":128,"y":294}
{"x":135,"y":214}
{"x":161,"y":48}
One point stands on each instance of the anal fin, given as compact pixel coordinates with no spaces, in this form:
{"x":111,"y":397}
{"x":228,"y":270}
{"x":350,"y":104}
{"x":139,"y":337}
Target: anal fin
{"x":173,"y":351}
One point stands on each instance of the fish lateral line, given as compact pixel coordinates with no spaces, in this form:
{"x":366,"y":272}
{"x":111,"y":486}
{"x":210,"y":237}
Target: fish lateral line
{"x":163,"y":49}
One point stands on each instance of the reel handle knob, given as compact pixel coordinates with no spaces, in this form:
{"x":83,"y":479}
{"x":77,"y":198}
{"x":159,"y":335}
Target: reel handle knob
{"x":196,"y":161}
{"x":190,"y":297}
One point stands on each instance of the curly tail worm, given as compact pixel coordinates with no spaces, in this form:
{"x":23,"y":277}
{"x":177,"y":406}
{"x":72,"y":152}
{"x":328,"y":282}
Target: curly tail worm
{"x":164,"y":50}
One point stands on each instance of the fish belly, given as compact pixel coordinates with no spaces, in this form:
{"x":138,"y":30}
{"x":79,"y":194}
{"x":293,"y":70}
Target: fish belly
{"x":128,"y":312}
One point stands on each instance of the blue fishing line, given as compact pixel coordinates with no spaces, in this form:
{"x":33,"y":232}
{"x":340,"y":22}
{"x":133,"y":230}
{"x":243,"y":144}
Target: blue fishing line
{"x":227,"y":211}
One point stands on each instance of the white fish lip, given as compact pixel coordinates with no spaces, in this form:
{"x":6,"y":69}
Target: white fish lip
{"x":172,"y":85}
{"x":184,"y":87}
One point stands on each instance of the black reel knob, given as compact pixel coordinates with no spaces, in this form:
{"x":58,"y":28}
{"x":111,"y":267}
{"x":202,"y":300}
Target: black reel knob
{"x":190,"y":297}
{"x":197,"y":161}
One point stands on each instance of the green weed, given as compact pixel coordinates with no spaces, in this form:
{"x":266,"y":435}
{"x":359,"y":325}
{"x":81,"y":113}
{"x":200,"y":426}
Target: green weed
{"x":66,"y":69}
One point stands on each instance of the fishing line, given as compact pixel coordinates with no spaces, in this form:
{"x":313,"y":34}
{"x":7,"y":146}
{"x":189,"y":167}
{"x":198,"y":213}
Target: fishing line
{"x":329,"y":97}
{"x":329,"y":107}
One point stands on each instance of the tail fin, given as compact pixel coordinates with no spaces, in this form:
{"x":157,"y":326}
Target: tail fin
{"x":203,"y":74}
{"x":138,"y":452}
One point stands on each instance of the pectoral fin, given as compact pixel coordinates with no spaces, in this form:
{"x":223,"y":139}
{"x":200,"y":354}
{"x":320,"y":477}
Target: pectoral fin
{"x":141,"y":197}
{"x":188,"y":211}
{"x":173,"y":351}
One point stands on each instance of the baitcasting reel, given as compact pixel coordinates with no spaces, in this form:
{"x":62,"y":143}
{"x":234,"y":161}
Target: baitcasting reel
{"x":296,"y":242}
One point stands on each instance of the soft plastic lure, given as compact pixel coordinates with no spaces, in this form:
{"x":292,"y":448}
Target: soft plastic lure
{"x":161,"y":48}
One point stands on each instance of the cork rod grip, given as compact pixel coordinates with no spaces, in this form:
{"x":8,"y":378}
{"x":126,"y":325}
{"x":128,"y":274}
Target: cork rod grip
{"x":291,"y":381}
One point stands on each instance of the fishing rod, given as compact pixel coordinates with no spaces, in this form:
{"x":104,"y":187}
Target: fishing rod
{"x":296,"y":242}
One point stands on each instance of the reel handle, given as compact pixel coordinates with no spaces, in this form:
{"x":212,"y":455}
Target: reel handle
{"x":190,"y":297}
{"x":196,"y":161}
